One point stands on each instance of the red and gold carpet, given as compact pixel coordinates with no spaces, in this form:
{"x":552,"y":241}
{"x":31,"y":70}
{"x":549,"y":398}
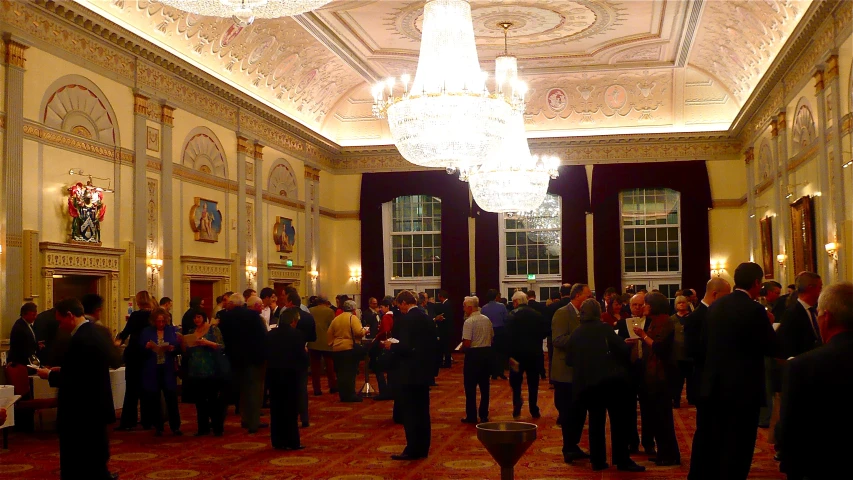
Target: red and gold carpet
{"x":354,"y":442}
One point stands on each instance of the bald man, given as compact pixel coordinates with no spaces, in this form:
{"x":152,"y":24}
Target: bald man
{"x":639,"y":309}
{"x":695,"y":344}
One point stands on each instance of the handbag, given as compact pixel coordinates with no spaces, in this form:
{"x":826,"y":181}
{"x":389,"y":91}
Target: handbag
{"x":359,"y":351}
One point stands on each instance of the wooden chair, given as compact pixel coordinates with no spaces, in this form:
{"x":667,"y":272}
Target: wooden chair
{"x":18,"y":376}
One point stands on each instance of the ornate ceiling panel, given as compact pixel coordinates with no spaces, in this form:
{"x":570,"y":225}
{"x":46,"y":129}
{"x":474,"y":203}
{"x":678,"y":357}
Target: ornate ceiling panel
{"x":274,"y":60}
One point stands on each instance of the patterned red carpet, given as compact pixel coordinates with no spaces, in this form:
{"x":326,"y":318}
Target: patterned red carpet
{"x":352,"y":442}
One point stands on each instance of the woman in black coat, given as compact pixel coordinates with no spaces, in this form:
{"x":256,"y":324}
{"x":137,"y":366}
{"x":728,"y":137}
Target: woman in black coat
{"x":600,"y":358}
{"x":134,"y":358}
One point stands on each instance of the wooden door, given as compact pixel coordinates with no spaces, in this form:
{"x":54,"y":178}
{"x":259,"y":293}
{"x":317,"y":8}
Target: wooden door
{"x":203,"y":289}
{"x":73,"y":286}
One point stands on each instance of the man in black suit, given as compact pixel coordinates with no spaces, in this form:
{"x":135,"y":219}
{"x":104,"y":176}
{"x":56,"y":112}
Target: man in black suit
{"x":739,"y":336}
{"x":525,"y":331}
{"x":22,"y":338}
{"x":694,"y":343}
{"x":85,"y":397}
{"x":308,"y":327}
{"x":416,"y":350}
{"x":635,"y":393}
{"x":815,"y":416}
{"x":244,"y":335}
{"x":287,"y":365}
{"x":541,"y":308}
{"x":798,"y":332}
{"x":55,"y":341}
{"x":444,"y":321}
{"x":93,"y":307}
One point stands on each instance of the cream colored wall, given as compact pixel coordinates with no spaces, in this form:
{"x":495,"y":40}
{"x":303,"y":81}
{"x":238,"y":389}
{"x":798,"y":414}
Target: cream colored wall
{"x":728,"y":225}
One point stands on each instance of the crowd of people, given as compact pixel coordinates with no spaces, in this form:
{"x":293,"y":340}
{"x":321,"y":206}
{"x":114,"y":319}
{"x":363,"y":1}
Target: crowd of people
{"x":735,"y":349}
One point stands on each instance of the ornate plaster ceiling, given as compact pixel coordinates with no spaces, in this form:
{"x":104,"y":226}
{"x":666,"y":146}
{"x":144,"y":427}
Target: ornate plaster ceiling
{"x":594,"y":66}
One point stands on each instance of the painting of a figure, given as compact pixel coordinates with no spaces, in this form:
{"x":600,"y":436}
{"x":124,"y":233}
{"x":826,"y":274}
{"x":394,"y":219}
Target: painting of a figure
{"x":86,"y":208}
{"x":205,"y":220}
{"x":284,"y":234}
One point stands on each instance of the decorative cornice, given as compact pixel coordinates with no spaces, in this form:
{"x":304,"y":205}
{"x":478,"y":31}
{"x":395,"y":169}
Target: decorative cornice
{"x":781,"y":122}
{"x":352,"y":215}
{"x":312,"y":173}
{"x":258,"y":151}
{"x":831,"y":68}
{"x":818,"y":82}
{"x":15,"y":53}
{"x":774,"y":129}
{"x":244,"y":146}
{"x":167,"y":115}
{"x":729,"y":202}
{"x":749,"y":155}
{"x":140,"y":104}
{"x":71,"y":142}
{"x":284,"y":201}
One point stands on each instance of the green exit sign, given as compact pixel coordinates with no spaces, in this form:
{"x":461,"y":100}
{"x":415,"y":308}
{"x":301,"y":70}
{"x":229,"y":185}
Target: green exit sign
{"x":290,"y":263}
{"x":531,"y":276}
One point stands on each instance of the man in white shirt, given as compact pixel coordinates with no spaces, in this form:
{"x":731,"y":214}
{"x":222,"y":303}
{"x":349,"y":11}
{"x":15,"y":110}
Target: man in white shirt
{"x":266,"y":298}
{"x":477,"y":336}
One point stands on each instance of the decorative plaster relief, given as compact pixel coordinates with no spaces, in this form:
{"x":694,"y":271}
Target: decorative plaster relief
{"x":203,"y":152}
{"x":803,"y":132}
{"x":152,"y":227}
{"x":765,"y":162}
{"x":282,"y":179}
{"x":75,"y":105}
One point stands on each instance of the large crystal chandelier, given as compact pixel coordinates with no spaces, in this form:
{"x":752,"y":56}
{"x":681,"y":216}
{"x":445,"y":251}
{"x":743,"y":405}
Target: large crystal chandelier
{"x":515,"y":181}
{"x":447,"y":117}
{"x":244,"y":12}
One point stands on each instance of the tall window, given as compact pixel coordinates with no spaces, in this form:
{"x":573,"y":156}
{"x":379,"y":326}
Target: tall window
{"x":415,"y":233}
{"x":651,"y":233}
{"x":531,"y":241}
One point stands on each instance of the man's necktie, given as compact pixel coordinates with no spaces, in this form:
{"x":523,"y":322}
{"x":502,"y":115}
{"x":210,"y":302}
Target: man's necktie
{"x":813,"y":318}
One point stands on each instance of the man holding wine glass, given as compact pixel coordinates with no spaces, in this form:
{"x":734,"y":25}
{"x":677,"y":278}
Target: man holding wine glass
{"x":22,"y":339}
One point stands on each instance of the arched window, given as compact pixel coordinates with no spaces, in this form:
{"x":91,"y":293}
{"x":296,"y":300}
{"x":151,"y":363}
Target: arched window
{"x":412,"y":243}
{"x":530,"y":249}
{"x":651,"y":239}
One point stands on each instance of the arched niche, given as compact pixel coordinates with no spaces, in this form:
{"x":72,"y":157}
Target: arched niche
{"x":74,"y":104}
{"x":804,"y":130}
{"x":766,"y":165}
{"x":282,"y":180}
{"x":202,"y":151}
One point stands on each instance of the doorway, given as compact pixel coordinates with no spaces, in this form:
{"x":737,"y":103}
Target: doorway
{"x":74,"y":286}
{"x":203,"y":289}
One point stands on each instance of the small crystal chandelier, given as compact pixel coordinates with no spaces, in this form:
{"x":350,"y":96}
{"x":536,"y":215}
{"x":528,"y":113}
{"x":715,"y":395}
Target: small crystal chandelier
{"x":544,"y":224}
{"x":515,"y":181}
{"x":447,"y":118}
{"x":244,"y":12}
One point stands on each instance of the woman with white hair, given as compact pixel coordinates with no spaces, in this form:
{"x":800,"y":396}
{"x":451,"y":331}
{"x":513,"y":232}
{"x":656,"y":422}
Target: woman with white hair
{"x":344,"y":330}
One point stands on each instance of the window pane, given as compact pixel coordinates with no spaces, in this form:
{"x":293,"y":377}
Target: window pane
{"x":511,"y":268}
{"x":650,"y":229}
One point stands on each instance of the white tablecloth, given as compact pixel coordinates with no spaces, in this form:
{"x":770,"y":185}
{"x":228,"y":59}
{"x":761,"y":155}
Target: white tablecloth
{"x":42,"y":389}
{"x":5,"y":392}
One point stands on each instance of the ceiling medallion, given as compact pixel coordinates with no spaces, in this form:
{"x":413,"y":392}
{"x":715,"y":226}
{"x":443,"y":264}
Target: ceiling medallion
{"x":244,"y":12}
{"x":447,"y":117}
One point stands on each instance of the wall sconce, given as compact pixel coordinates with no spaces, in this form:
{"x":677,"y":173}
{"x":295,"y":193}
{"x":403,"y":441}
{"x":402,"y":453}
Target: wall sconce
{"x":717,"y":267}
{"x":756,"y":209}
{"x":155,"y":264}
{"x":314,"y":274}
{"x":781,"y":259}
{"x":791,"y":189}
{"x":251,"y":270}
{"x":355,"y":275}
{"x":832,"y":250}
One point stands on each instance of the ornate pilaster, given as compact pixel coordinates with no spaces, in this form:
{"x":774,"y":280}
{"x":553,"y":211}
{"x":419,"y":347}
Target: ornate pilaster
{"x":244,"y":149}
{"x":823,"y":204}
{"x":784,"y":212}
{"x":13,"y":181}
{"x":167,"y":113}
{"x":837,"y":193}
{"x":748,"y":157}
{"x":312,"y":226}
{"x":140,"y":189}
{"x":260,"y":237}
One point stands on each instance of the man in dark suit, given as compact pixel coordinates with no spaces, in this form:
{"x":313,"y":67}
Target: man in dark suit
{"x":85,"y":397}
{"x":287,"y":364}
{"x":22,"y":338}
{"x":694,"y":343}
{"x":244,"y":335}
{"x":525,"y":331}
{"x":635,"y":393}
{"x":798,"y":332}
{"x":308,"y":328}
{"x":815,"y":416}
{"x":444,"y":321}
{"x":739,"y":336}
{"x":93,"y":306}
{"x":548,"y":313}
{"x":55,"y":341}
{"x":416,"y":350}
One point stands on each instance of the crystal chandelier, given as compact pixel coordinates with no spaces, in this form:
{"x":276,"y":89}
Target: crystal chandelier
{"x":544,"y":223}
{"x":447,"y":117}
{"x":244,"y":12}
{"x":515,"y":181}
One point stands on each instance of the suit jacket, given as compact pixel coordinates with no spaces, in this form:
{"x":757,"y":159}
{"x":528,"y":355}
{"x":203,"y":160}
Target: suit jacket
{"x":550,"y":310}
{"x":779,"y":307}
{"x":596,"y":355}
{"x":565,"y":321}
{"x":525,"y":331}
{"x":796,"y":333}
{"x":323,"y":317}
{"x":695,"y":342}
{"x":539,"y":307}
{"x":815,"y":415}
{"x":285,"y":349}
{"x":739,"y":337}
{"x":134,"y":353}
{"x":47,"y":330}
{"x":85,"y":393}
{"x":244,"y":333}
{"x":115,"y":353}
{"x":307,"y":326}
{"x":445,"y":327}
{"x":416,"y":349}
{"x":22,"y":343}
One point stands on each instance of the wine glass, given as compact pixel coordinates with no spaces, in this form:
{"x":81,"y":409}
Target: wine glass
{"x":34,"y":361}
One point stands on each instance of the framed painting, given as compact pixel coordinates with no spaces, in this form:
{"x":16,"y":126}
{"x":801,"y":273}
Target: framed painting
{"x":205,"y":220}
{"x":284,"y":234}
{"x":803,"y":233}
{"x":767,"y":259}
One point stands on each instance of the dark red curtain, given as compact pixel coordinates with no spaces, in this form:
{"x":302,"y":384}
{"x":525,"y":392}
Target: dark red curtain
{"x":572,"y":186}
{"x":690,"y":179}
{"x":379,"y":188}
